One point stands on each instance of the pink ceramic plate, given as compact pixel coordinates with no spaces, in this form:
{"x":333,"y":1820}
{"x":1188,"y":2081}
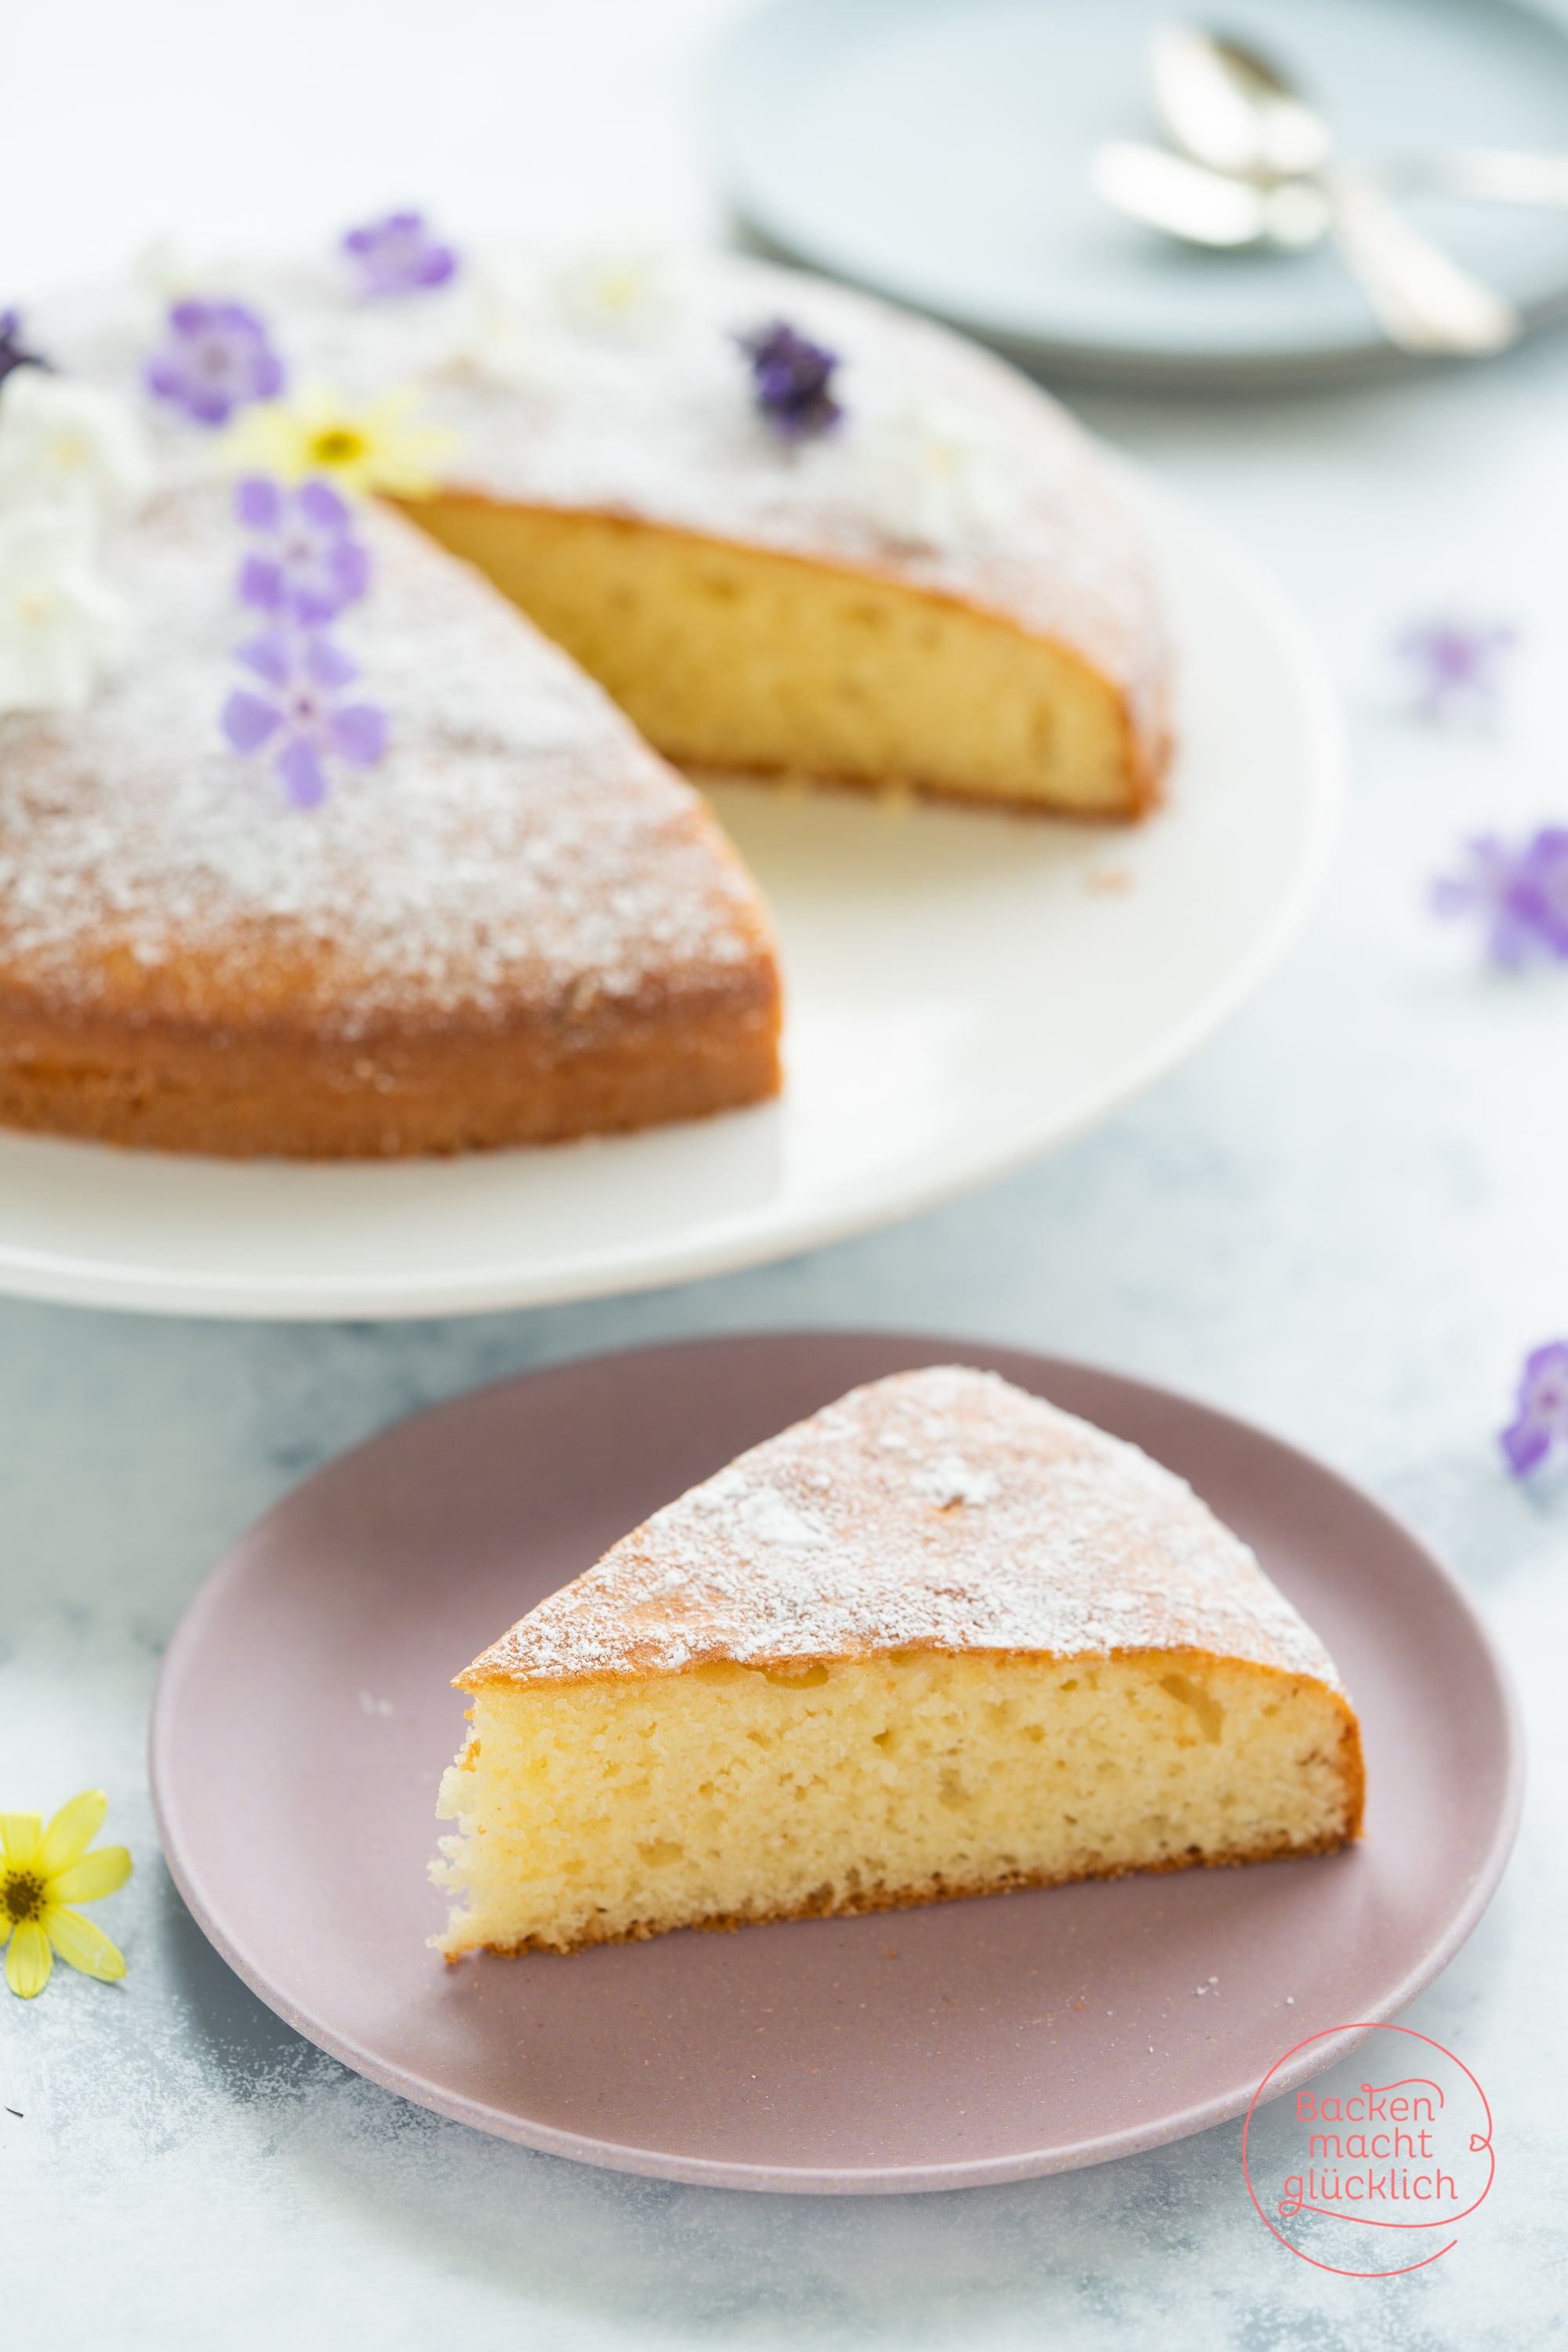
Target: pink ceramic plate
{"x":304,"y":1716}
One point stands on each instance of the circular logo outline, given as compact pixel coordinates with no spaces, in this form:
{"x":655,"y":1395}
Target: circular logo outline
{"x":1478,"y":2141}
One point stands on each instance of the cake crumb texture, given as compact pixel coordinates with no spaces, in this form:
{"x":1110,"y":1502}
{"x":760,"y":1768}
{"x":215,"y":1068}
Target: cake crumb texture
{"x":738,"y":658}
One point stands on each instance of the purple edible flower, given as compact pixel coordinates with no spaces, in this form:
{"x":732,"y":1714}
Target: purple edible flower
{"x":13,"y":352}
{"x":399,"y":255}
{"x":311,"y":565}
{"x":1455,"y":665}
{"x":216,"y":358}
{"x":792,"y":379}
{"x":1540,"y":1412}
{"x":302,"y":717}
{"x":1521,"y":895}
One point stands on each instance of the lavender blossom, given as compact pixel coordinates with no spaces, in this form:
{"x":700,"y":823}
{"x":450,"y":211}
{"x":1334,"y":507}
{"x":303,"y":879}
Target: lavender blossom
{"x":216,"y":358}
{"x":13,"y":352}
{"x":309,"y":565}
{"x":1455,"y":666}
{"x":399,"y":255}
{"x":300,"y":720}
{"x":1521,"y":895}
{"x":1540,"y":1412}
{"x":792,"y":380}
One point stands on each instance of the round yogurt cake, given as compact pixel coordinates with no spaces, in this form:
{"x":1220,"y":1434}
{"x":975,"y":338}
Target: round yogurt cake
{"x":352,"y":609}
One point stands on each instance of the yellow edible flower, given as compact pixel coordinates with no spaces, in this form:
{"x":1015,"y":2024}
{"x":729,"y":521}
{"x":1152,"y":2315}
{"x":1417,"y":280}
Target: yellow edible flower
{"x":383,"y":447}
{"x":41,"y":1872}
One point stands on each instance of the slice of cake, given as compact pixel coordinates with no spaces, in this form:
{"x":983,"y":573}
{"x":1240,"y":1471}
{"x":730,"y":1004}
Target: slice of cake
{"x":939,"y":1640}
{"x":518,"y":924}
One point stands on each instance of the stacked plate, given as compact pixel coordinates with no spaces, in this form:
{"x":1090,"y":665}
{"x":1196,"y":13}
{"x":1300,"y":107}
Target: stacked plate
{"x":939,"y":153}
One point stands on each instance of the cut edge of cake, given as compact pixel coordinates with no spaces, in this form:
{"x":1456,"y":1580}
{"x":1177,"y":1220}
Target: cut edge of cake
{"x":742,"y":659}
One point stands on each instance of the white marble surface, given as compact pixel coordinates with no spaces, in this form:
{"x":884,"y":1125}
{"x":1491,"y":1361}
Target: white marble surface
{"x":1346,"y":1218}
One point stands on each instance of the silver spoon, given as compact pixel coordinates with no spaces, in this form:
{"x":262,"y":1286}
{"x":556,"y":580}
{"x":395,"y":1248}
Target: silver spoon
{"x":1230,"y":108}
{"x":1236,"y":115}
{"x":1491,"y":176}
{"x":1203,"y":207}
{"x":1188,"y":200}
{"x":1424,"y":302}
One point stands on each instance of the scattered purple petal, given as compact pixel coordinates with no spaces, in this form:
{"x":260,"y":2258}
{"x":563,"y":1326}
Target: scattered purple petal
{"x":247,"y":721}
{"x":304,"y":777}
{"x":1541,"y":1410}
{"x":321,"y":507}
{"x":261,"y":584}
{"x":399,"y":255}
{"x":1455,"y":667}
{"x":310,"y":565}
{"x":327,"y":665}
{"x":14,"y":351}
{"x":303,"y":716}
{"x":272,"y":656}
{"x":259,"y":503}
{"x":1520,"y":895}
{"x":216,"y":358}
{"x":359,"y":734}
{"x":792,"y":379}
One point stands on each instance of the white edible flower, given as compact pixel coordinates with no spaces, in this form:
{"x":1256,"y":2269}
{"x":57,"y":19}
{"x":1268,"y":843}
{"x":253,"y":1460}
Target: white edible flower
{"x":68,"y":444}
{"x":621,"y":291}
{"x":60,"y":627}
{"x":168,"y":271}
{"x":499,"y":332}
{"x":933,"y":473}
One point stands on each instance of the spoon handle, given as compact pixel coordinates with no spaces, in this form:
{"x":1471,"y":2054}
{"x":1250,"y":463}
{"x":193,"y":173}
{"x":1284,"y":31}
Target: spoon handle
{"x":1424,"y":302}
{"x":1498,"y":176}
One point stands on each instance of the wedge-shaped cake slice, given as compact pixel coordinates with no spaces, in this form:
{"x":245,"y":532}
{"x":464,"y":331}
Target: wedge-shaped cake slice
{"x":939,"y":1640}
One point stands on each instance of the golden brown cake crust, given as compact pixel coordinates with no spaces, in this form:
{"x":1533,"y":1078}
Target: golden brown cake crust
{"x":940,"y":1509}
{"x":289,"y":1092}
{"x":521,"y":927}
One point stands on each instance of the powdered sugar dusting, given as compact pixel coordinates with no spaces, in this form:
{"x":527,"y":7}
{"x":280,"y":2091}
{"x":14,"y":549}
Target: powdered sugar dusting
{"x":519,"y":844}
{"x":941,"y":1509}
{"x":659,"y":425}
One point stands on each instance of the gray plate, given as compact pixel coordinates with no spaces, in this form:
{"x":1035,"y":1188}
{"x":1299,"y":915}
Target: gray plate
{"x":937,"y":150}
{"x":304,"y":1716}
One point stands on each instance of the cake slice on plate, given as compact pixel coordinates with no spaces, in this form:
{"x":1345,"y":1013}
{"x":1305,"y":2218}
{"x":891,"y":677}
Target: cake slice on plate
{"x":939,"y":1640}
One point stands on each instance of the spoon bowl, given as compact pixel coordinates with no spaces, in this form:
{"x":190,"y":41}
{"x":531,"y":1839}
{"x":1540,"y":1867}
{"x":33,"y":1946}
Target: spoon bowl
{"x":1188,"y":200}
{"x":1230,"y":106}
